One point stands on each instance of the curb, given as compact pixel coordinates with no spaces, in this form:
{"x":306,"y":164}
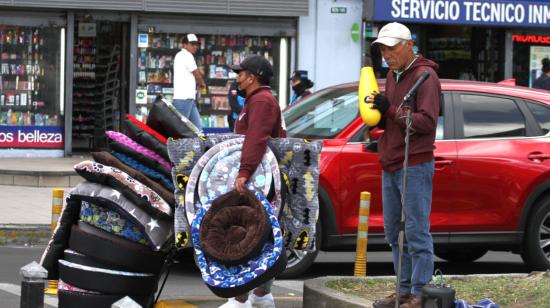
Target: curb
{"x":38,"y":172}
{"x":317,"y":295}
{"x":24,"y":234}
{"x":40,"y":178}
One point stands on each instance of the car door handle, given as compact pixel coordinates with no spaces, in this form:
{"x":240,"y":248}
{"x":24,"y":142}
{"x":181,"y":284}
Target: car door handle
{"x":444,"y":162}
{"x":537,"y":157}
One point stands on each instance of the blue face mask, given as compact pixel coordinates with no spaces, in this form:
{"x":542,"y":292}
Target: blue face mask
{"x":241,"y":92}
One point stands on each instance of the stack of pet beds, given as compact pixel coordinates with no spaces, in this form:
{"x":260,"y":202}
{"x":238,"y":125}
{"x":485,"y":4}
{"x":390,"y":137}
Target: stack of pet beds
{"x":116,"y":229}
{"x":239,"y":239}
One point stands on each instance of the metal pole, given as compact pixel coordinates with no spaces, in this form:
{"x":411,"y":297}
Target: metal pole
{"x":401,"y":238}
{"x":69,"y":79}
{"x":362,"y":235}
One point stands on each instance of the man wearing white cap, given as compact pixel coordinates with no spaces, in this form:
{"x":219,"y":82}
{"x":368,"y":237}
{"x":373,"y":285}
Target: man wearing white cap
{"x":396,"y":46}
{"x":187,"y":78}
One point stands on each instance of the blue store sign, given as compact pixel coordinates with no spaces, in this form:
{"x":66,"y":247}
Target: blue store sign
{"x":474,"y":12}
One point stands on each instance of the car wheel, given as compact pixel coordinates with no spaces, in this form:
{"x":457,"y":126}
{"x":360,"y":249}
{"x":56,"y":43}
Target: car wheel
{"x":462,"y":255}
{"x":299,"y":260}
{"x":536,"y":250}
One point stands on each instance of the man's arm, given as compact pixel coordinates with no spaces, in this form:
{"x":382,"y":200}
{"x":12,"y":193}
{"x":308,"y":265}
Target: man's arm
{"x":198,"y":78}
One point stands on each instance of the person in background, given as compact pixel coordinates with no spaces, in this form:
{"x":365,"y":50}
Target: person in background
{"x":187,"y":78}
{"x":259,"y":120}
{"x":236,"y":102}
{"x":396,"y":45}
{"x":543,"y":82}
{"x":300,"y":85}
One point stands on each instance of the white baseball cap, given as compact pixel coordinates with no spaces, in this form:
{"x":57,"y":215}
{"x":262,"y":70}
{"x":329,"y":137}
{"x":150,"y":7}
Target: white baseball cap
{"x":393,"y":33}
{"x":191,"y":38}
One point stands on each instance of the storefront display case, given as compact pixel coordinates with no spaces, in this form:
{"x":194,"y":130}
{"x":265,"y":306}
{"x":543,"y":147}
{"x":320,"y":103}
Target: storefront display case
{"x":216,"y":53}
{"x":31,"y":105}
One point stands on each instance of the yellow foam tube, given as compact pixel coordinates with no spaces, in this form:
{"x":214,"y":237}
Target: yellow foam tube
{"x":367,"y":84}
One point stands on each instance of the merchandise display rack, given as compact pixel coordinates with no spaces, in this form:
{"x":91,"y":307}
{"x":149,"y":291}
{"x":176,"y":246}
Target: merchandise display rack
{"x":96,"y":89}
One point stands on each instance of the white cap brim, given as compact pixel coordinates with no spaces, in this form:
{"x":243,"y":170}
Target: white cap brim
{"x":388,"y":41}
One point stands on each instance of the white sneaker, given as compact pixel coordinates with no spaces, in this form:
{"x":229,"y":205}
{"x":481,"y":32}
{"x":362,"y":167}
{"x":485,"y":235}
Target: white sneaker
{"x":265,"y":301}
{"x":233,"y":303}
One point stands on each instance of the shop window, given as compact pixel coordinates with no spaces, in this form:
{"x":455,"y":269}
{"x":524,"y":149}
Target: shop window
{"x":216,"y":53}
{"x":30,"y":89}
{"x":491,"y":117}
{"x":467,"y":53}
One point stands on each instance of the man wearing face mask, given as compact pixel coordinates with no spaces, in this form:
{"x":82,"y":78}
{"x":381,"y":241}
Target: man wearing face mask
{"x":259,"y":120}
{"x":261,"y":116}
{"x":300,"y":85}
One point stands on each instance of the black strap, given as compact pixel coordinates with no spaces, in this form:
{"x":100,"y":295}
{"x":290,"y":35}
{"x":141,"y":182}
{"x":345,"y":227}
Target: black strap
{"x":173,"y":255}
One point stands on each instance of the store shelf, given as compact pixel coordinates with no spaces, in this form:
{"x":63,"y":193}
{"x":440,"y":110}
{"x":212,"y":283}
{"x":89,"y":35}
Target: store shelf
{"x":95,"y":88}
{"x":24,"y":99}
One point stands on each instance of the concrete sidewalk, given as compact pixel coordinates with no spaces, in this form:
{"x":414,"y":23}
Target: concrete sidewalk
{"x":26,"y":186}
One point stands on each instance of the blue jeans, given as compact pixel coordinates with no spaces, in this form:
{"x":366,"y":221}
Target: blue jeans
{"x":188,"y":109}
{"x":418,"y":264}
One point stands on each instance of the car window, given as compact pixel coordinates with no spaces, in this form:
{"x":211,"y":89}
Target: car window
{"x":363,"y":134}
{"x":490,"y":116}
{"x":541,"y":114}
{"x":322,"y":115}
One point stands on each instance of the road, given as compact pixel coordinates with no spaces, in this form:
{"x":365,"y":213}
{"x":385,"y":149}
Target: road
{"x":185,"y":281}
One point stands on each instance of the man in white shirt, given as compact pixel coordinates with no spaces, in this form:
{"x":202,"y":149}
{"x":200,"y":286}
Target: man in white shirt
{"x":186,"y":79}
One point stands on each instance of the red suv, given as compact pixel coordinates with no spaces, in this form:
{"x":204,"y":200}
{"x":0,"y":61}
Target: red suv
{"x":492,"y":172}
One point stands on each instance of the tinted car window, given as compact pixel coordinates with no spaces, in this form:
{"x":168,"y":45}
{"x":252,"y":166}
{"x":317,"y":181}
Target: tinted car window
{"x":541,"y":114}
{"x":323,"y":115}
{"x":490,"y":117}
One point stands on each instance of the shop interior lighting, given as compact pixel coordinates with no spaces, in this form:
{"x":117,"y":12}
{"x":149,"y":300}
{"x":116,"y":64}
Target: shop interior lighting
{"x":283,"y":73}
{"x":62,"y":73}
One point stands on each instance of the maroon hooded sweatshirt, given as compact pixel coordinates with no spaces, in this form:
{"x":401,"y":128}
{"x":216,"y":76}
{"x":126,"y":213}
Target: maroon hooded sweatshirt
{"x":259,"y":120}
{"x":425,"y":111}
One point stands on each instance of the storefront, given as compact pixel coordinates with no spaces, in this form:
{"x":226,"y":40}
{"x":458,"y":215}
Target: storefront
{"x":473,"y":40}
{"x":223,"y":42}
{"x":70,"y":74}
{"x":32,"y":84}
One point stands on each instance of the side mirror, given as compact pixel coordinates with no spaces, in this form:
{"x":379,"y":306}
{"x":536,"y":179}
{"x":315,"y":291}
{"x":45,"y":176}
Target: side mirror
{"x":375,"y":134}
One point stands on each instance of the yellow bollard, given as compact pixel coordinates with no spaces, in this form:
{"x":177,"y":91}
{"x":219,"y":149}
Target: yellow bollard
{"x":57,"y":206}
{"x":362,"y":236}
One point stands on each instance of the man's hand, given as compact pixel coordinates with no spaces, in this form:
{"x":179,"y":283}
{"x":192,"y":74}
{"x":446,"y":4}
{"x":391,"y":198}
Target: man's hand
{"x":240,"y":184}
{"x":381,"y":103}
